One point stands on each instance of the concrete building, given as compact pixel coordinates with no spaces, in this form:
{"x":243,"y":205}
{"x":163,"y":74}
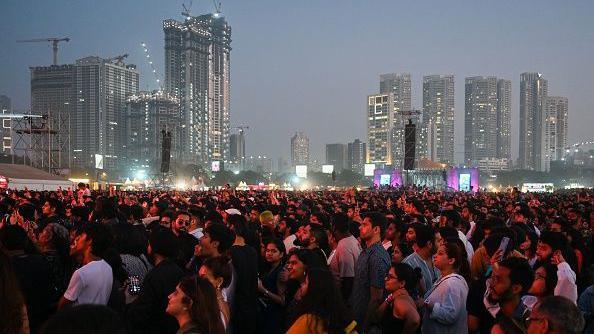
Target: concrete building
{"x":555,"y":129}
{"x":492,"y":164}
{"x":147,"y":114}
{"x":54,"y":93}
{"x":380,"y":121}
{"x":504,"y":104}
{"x":99,"y":121}
{"x":299,"y":149}
{"x":487,"y":124}
{"x":197,"y":64}
{"x":356,"y":156}
{"x":438,"y":106}
{"x":237,"y":147}
{"x":400,"y":86}
{"x":260,"y":164}
{"x":336,"y":156}
{"x":533,"y":94}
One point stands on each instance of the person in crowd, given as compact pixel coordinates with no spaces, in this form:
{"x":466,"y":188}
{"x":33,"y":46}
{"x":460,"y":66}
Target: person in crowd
{"x":399,"y":311}
{"x":287,"y":228}
{"x":131,"y":243}
{"x":321,"y":309}
{"x":370,"y":270}
{"x":217,"y":270}
{"x":445,"y":310}
{"x":91,"y":283}
{"x":424,"y":247}
{"x":51,"y":213}
{"x":346,"y":254}
{"x":299,"y":262}
{"x":216,"y":242}
{"x":528,"y":248}
{"x":194,"y":305}
{"x":272,"y":288}
{"x":88,"y":318}
{"x":511,"y":279}
{"x":555,"y":314}
{"x":146,"y":310}
{"x":13,"y":310}
{"x":555,"y":278}
{"x":244,"y":304}
{"x":29,"y":266}
{"x":54,"y":244}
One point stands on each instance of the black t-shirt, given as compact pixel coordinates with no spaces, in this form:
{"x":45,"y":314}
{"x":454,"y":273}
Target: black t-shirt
{"x":244,"y":309}
{"x":476,"y":307}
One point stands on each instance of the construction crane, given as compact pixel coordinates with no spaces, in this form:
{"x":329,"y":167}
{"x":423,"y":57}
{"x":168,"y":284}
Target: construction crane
{"x":217,"y":7}
{"x":54,"y":42}
{"x":187,"y":12}
{"x":119,"y":59}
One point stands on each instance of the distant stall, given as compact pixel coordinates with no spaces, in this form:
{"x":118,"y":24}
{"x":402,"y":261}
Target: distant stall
{"x":19,"y":177}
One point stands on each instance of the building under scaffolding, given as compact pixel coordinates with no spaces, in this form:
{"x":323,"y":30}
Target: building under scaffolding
{"x":43,"y":141}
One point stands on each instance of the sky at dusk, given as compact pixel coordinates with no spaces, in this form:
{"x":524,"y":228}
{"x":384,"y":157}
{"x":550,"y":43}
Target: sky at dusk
{"x":309,"y":65}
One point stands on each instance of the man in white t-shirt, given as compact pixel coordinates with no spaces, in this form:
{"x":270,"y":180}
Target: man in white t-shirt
{"x":347,"y":252}
{"x":92,"y":283}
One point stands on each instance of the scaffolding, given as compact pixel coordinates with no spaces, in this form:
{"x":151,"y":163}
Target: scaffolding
{"x":43,"y":141}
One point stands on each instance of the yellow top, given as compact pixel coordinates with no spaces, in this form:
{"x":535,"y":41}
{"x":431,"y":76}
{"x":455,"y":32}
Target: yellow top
{"x":305,"y":325}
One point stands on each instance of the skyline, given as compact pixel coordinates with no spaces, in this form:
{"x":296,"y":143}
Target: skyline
{"x":292,"y":57}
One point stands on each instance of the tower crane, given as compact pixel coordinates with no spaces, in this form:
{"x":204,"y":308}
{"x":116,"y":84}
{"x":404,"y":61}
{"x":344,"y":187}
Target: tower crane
{"x":119,"y":59}
{"x":54,"y":42}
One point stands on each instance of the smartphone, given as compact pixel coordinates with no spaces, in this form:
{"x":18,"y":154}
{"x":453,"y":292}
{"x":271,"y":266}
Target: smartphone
{"x":134,"y":287}
{"x":503,"y":244}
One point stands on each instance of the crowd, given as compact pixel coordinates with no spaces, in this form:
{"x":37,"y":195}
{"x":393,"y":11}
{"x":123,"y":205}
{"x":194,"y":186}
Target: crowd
{"x":396,"y":260}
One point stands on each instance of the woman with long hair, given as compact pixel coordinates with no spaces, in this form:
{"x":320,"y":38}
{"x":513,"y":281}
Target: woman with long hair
{"x":322,"y":309}
{"x":54,"y":243}
{"x":528,"y":247}
{"x":13,"y":311}
{"x":445,"y":302}
{"x":194,"y":305}
{"x":218,"y":271}
{"x":399,"y":311}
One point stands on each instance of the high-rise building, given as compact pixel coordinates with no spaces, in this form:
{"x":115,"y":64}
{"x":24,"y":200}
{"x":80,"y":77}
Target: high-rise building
{"x":258,"y":163}
{"x":299,"y":149}
{"x":533,"y":93}
{"x":356,"y":155}
{"x":5,"y":126}
{"x":237,"y":147}
{"x":555,"y":129}
{"x":99,"y":122}
{"x":380,"y":121}
{"x":480,"y":119}
{"x":54,"y":95}
{"x":438,"y":106}
{"x":197,"y":63}
{"x":400,"y":86}
{"x":504,"y":120}
{"x":336,"y":156}
{"x":147,"y":114}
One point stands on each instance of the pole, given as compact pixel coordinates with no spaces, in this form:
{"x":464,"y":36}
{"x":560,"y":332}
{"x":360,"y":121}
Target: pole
{"x":55,"y":47}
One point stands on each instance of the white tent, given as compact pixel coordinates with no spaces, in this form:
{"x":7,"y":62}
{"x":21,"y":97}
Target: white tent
{"x":20,"y":177}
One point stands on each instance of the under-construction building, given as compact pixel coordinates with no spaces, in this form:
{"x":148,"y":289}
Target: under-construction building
{"x":83,"y":107}
{"x":197,"y":59}
{"x":147,"y":114}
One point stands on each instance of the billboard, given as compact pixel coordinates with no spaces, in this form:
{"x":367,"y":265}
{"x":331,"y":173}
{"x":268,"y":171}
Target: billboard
{"x":385,"y":179}
{"x":538,"y":187}
{"x":464,"y":182}
{"x":98,"y":161}
{"x":327,"y":169}
{"x":369,"y":169}
{"x":301,"y":171}
{"x":215,"y":166}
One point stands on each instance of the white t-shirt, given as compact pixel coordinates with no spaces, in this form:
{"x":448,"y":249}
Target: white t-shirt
{"x":290,"y":242}
{"x":90,"y":284}
{"x":346,"y":255}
